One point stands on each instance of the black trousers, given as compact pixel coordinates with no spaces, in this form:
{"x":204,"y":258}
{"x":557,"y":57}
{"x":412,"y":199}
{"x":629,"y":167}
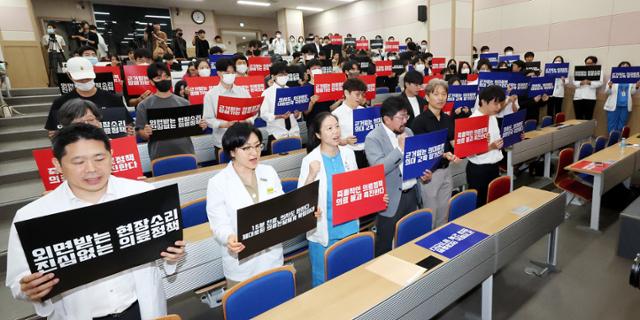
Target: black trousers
{"x":131,"y":313}
{"x":554,"y":106}
{"x":479,"y":176}
{"x":584,"y":108}
{"x":361,"y":159}
{"x":55,"y":61}
{"x":386,"y":226}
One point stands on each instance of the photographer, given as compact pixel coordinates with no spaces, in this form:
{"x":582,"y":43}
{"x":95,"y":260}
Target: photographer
{"x":156,"y":38}
{"x":54,"y":44}
{"x":86,"y":38}
{"x":179,"y":45}
{"x":201,"y":44}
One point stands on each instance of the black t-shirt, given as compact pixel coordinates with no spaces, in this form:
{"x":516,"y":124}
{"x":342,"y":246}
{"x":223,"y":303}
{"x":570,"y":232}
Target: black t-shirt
{"x":102,"y":99}
{"x":202,"y":48}
{"x":427,"y":122}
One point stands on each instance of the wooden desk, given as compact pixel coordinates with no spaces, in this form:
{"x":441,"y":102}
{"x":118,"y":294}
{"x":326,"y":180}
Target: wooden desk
{"x":545,"y":140}
{"x":624,"y":164}
{"x":362,"y":294}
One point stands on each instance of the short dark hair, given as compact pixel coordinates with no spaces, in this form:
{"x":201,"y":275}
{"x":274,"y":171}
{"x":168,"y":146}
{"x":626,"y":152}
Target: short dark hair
{"x":561,"y":58}
{"x":520,"y":65}
{"x":623,"y":62}
{"x":277,"y":67}
{"x":201,"y":31}
{"x":217,"y":37}
{"x":314,"y":128}
{"x":93,"y":27}
{"x":491,"y":93}
{"x":483,"y":48}
{"x":74,"y":132}
{"x":167,"y":56}
{"x":82,"y":49}
{"x":314,"y":63}
{"x":51,"y":24}
{"x":392,"y":105}
{"x":215,"y":50}
{"x":76,"y":108}
{"x":142,"y":53}
{"x":296,"y":54}
{"x":508,"y":48}
{"x":593,"y":58}
{"x":412,"y":46}
{"x":529,"y":54}
{"x":224,"y":63}
{"x":237,"y":135}
{"x":348,"y":65}
{"x":483,"y":62}
{"x":237,"y":57}
{"x":153,"y":70}
{"x":354,"y":84}
{"x":414,"y":77}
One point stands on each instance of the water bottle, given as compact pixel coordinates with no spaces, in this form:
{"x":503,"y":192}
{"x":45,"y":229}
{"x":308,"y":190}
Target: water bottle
{"x":623,"y":143}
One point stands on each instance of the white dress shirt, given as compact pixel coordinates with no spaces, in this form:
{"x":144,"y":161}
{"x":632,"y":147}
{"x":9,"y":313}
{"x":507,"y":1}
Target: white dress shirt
{"x":491,"y":156}
{"x":112,"y":294}
{"x":53,"y":46}
{"x":210,"y":110}
{"x":276,"y":127}
{"x":345,"y":119}
{"x":406,"y":184}
{"x":586,"y":92}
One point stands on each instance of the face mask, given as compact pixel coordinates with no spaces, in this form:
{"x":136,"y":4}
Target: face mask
{"x":229,"y":78}
{"x":278,"y":36}
{"x":292,"y":40}
{"x":508,"y":53}
{"x":464,"y":71}
{"x":163,"y":85}
{"x":557,"y":61}
{"x":50,"y":30}
{"x":282,"y":80}
{"x":392,"y":58}
{"x":419,"y":67}
{"x":93,"y":60}
{"x":264,"y":38}
{"x":87,"y":86}
{"x":308,"y":57}
{"x":204,"y":72}
{"x":242,"y":68}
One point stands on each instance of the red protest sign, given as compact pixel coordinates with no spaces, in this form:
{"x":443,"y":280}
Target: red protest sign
{"x":392,"y":46}
{"x":136,"y":80}
{"x":328,"y":86}
{"x":447,"y":108}
{"x":115,"y":71}
{"x":125,"y":162}
{"x":383,"y":68}
{"x":237,"y":109}
{"x":471,"y":136}
{"x":253,"y":84}
{"x":437,"y":64}
{"x":370,"y":81}
{"x":426,"y":80}
{"x":362,"y":44}
{"x":259,"y":66}
{"x":472,"y":77}
{"x":199,"y":87}
{"x":336,"y":40}
{"x":358,"y":193}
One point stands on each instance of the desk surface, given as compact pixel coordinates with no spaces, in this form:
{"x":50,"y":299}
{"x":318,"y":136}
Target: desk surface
{"x":551,"y":129}
{"x":359,"y":290}
{"x":610,"y":154}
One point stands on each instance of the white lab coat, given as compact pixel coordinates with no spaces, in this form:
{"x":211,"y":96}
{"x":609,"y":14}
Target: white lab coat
{"x":75,"y":303}
{"x":276,"y":127}
{"x":321,"y":233}
{"x":225,"y":195}
{"x":612,"y":97}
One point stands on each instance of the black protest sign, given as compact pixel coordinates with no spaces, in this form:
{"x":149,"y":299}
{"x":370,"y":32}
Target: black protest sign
{"x":397,"y":66}
{"x":103,"y":80}
{"x":296,"y":73}
{"x":349,"y":42}
{"x":86,"y":244}
{"x":591,"y":73}
{"x":273,"y":221}
{"x":534,"y":66}
{"x":376,"y":44}
{"x":114,"y":121}
{"x":177,"y":122}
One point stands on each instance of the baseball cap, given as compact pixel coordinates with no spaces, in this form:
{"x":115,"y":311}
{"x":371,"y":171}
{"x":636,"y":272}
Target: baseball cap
{"x":80,"y":68}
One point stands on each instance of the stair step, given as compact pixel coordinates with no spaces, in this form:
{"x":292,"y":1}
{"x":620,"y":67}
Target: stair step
{"x":14,"y":101}
{"x":38,"y":118}
{"x":18,"y":169}
{"x":26,"y":132}
{"x":35,"y":91}
{"x":20,"y":191}
{"x":21,"y":149}
{"x":33,"y":108}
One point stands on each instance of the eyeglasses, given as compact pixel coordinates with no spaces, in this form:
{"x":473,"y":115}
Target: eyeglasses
{"x":402,"y":116}
{"x":257,"y":148}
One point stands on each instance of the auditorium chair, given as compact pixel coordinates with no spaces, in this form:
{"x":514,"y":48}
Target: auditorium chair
{"x":382,"y":90}
{"x":223,"y":157}
{"x":194,"y":212}
{"x":565,"y":181}
{"x":173,"y":164}
{"x":601,"y":143}
{"x":530,"y":125}
{"x":412,"y":226}
{"x":560,"y":117}
{"x":626,"y":132}
{"x":586,"y":149}
{"x":289,"y":184}
{"x":348,"y":253}
{"x":546,"y":121}
{"x":498,"y":187}
{"x":285,"y":145}
{"x":614,"y":137}
{"x":462,"y":203}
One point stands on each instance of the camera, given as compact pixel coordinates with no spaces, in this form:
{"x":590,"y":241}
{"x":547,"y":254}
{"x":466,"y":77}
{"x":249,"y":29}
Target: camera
{"x":634,"y":277}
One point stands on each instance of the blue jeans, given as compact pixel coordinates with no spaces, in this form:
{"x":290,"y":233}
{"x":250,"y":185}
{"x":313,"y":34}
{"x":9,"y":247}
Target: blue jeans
{"x":617,"y":118}
{"x":316,"y":255}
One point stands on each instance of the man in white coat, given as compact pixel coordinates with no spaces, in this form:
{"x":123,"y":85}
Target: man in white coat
{"x":83,"y":155}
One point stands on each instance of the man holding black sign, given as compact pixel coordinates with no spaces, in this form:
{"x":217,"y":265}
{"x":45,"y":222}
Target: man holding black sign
{"x":80,"y":70}
{"x":83,"y":154}
{"x":160,"y":77}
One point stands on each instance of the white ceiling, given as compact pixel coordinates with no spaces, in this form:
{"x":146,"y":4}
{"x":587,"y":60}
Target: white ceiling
{"x":230,"y":7}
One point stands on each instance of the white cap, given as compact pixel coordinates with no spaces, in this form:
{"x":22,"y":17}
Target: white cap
{"x":80,"y":68}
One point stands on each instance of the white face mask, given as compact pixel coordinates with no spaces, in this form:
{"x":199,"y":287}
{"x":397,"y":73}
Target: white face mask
{"x":50,"y":30}
{"x":229,"y":78}
{"x":309,"y":57}
{"x":557,"y":61}
{"x":87,"y":86}
{"x":464,"y":71}
{"x":204,"y":72}
{"x":278,"y":36}
{"x":282,"y":80}
{"x":419,"y":67}
{"x":93,"y":60}
{"x":242,"y":68}
{"x":508,"y":53}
